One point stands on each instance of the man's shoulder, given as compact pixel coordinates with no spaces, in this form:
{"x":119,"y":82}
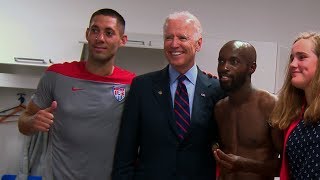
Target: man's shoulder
{"x":215,"y":88}
{"x":123,"y":71}
{"x":212,"y":85}
{"x":211,"y":82}
{"x":154,"y":75}
{"x":266,"y":100}
{"x":222,"y":103}
{"x":65,"y":66}
{"x":265,"y":96}
{"x":66,"y":63}
{"x":123,"y":74}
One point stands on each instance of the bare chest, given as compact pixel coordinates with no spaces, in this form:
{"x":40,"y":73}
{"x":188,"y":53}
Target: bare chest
{"x":244,"y":126}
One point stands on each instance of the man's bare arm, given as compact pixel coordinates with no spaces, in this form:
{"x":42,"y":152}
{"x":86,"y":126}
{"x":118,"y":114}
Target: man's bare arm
{"x":277,"y":140}
{"x":234,"y":163}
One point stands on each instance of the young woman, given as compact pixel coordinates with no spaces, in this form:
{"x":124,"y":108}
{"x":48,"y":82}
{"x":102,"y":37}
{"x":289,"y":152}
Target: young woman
{"x":298,"y":110}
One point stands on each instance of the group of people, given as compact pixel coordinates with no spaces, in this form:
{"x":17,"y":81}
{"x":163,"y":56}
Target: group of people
{"x":94,"y":120}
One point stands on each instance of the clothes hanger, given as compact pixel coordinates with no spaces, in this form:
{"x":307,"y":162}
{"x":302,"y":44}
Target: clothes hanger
{"x":15,"y":109}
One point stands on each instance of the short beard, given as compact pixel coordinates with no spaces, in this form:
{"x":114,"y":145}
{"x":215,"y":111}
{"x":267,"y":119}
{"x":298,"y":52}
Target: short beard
{"x":235,"y":85}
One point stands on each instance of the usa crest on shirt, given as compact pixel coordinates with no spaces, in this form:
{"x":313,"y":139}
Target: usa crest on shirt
{"x":119,"y":93}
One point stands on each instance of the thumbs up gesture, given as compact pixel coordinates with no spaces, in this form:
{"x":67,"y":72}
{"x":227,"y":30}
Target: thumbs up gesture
{"x":44,"y":118}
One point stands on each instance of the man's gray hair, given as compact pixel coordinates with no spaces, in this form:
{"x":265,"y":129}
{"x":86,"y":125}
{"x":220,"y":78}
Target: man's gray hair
{"x":188,"y":17}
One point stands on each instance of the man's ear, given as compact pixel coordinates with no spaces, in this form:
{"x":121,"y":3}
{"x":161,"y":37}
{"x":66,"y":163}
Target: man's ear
{"x":123,"y":40}
{"x":87,"y":34}
{"x":253,"y":67}
{"x":199,"y":44}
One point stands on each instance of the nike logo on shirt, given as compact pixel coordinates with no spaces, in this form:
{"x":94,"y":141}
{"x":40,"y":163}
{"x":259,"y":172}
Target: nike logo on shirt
{"x":76,"y":89}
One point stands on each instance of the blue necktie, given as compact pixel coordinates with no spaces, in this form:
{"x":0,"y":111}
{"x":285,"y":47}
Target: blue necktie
{"x":181,"y":107}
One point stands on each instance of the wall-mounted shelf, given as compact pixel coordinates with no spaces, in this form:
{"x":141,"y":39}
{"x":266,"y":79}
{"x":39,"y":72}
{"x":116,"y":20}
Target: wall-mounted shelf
{"x":19,"y":81}
{"x":153,"y":41}
{"x":140,"y":40}
{"x":30,"y":61}
{"x":22,"y":61}
{"x":24,"y":76}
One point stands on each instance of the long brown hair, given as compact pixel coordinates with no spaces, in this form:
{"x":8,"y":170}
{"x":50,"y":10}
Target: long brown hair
{"x":291,"y":99}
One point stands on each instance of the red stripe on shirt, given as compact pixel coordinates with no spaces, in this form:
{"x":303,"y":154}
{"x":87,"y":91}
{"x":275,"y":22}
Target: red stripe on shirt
{"x":77,"y":69}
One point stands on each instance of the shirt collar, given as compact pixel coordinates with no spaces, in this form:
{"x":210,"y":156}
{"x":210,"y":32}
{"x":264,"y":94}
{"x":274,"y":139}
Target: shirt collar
{"x":191,"y":74}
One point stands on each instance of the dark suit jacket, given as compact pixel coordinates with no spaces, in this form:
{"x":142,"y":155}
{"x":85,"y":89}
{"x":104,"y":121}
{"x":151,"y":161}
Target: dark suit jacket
{"x":148,"y":147}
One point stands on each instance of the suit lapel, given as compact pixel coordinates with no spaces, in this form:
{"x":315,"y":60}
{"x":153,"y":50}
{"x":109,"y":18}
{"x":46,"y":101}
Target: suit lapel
{"x":161,"y":91}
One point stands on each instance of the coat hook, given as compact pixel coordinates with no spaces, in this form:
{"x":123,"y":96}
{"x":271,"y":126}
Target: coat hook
{"x":21,"y":97}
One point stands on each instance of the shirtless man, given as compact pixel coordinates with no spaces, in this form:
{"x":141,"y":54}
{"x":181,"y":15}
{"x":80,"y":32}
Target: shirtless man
{"x":249,"y":147}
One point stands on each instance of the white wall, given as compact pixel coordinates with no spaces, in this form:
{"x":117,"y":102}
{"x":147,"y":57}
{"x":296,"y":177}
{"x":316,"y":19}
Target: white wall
{"x":251,"y":20}
{"x":42,"y":21}
{"x":256,"y":20}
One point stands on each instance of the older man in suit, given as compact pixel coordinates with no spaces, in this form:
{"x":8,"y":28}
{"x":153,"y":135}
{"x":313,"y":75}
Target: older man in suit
{"x":167,"y":129}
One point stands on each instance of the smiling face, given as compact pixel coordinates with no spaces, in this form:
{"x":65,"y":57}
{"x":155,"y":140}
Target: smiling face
{"x":104,"y":38}
{"x":303,"y":63}
{"x":236,"y":63}
{"x":180,"y":45}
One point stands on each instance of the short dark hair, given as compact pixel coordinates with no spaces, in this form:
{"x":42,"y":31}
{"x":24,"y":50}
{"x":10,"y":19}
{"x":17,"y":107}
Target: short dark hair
{"x":112,"y":13}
